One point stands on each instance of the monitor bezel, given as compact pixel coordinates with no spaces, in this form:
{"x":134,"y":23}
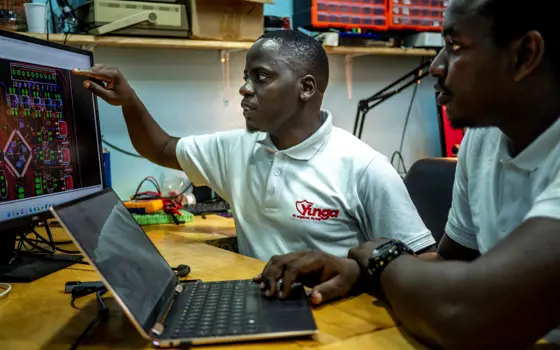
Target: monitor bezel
{"x":33,"y":219}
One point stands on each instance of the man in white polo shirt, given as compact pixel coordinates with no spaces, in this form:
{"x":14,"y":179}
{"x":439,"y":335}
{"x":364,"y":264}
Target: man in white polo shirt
{"x":294,"y":181}
{"x":499,"y":288}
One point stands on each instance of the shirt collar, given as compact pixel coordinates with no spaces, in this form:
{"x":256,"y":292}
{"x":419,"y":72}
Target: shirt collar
{"x":536,"y":153}
{"x":309,"y":147}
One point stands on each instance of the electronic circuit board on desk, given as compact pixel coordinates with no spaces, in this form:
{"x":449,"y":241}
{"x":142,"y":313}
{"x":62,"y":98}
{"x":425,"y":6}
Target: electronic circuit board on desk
{"x":214,"y":207}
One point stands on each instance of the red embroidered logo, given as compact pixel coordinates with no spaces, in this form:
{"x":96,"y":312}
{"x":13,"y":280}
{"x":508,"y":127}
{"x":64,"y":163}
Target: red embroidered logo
{"x":306,"y":211}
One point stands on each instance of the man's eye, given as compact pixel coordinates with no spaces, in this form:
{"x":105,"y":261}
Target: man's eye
{"x":261,"y":77}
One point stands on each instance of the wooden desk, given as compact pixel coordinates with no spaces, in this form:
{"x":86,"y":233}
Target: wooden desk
{"x":38,"y":315}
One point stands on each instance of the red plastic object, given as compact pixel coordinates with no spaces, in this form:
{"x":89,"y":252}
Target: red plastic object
{"x":348,"y":14}
{"x":451,"y":137}
{"x":418,"y":15}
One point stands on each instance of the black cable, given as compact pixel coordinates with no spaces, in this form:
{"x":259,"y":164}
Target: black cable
{"x":101,"y":316}
{"x":51,"y":243}
{"x":408,"y":113}
{"x":52,"y":19}
{"x":118,"y":149}
{"x":398,"y":154}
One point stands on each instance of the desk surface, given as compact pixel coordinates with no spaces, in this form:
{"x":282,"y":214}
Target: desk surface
{"x":38,"y":315}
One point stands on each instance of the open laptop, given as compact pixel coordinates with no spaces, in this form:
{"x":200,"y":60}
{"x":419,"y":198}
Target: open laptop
{"x":163,"y":309}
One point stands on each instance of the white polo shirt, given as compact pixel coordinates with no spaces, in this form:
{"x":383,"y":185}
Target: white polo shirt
{"x":331,"y":192}
{"x":494,"y":193}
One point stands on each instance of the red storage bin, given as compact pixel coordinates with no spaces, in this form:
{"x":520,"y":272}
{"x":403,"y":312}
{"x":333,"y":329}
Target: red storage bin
{"x":418,"y":15}
{"x":343,"y":14}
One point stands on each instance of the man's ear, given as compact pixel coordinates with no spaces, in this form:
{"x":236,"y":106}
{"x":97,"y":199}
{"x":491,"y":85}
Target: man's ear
{"x":308,"y":87}
{"x":529,"y":52}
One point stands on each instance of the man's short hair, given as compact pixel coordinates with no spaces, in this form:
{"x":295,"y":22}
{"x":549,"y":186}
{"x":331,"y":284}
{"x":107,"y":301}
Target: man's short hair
{"x":305,"y":53}
{"x":513,"y":18}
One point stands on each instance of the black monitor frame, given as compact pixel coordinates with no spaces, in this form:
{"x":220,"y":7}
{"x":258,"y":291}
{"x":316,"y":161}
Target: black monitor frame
{"x":11,"y":229}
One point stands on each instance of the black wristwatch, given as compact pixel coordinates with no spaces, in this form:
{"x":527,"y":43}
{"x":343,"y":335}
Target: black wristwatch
{"x":383,"y":255}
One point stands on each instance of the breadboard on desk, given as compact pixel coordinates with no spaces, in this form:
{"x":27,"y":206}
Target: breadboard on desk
{"x":162,"y":218}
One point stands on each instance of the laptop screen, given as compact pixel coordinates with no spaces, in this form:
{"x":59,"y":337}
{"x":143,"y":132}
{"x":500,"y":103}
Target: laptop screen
{"x":121,"y":251}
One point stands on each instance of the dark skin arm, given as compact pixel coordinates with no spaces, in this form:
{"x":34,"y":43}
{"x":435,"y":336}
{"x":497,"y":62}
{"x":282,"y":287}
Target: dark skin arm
{"x":448,"y":249}
{"x":147,"y":137}
{"x":507,"y":298}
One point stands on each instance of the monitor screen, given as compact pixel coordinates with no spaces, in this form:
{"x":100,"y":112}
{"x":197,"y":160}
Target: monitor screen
{"x":50,"y":146}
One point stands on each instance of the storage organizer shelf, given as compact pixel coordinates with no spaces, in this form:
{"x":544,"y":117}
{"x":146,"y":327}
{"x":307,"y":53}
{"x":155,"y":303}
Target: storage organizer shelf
{"x":419,"y":15}
{"x":343,"y":14}
{"x":366,"y":14}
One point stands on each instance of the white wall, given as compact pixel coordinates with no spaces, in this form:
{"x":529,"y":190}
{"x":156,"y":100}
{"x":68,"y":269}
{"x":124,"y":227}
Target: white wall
{"x":183,"y":91}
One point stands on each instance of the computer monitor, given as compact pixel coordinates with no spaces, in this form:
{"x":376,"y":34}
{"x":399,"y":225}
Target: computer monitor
{"x":50,"y":141}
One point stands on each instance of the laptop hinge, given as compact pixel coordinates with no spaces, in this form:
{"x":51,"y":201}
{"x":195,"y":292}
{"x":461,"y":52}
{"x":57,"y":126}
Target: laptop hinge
{"x":158,"y":327}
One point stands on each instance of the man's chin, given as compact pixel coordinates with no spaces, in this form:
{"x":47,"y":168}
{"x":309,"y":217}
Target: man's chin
{"x":465,"y":122}
{"x":250,"y":126}
{"x":251,"y":130}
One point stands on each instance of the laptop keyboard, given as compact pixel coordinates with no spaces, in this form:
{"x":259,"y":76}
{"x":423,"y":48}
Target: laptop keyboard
{"x":217,"y":309}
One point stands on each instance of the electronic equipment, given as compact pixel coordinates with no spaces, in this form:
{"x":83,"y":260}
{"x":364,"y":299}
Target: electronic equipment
{"x":144,"y":206}
{"x":137,"y":18}
{"x":425,"y":40}
{"x":69,"y":286}
{"x":50,"y":145}
{"x":210,"y":207}
{"x":164,"y":310}
{"x":450,"y":137}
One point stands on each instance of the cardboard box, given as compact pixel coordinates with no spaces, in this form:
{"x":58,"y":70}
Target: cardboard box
{"x":227,"y":20}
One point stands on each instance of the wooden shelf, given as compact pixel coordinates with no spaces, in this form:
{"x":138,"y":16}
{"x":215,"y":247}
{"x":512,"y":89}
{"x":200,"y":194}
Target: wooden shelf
{"x":164,"y":43}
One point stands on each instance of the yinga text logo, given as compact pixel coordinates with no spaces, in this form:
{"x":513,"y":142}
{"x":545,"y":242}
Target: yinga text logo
{"x":306,"y":211}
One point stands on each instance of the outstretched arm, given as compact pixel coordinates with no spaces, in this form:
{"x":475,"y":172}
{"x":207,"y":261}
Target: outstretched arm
{"x":147,"y":137}
{"x":508,"y":298}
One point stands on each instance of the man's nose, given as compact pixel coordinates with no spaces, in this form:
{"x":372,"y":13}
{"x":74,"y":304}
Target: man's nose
{"x":438,"y":68}
{"x":246,"y":88}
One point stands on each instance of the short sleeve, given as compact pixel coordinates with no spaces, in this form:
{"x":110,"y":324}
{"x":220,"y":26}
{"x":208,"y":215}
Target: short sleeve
{"x":460,"y":227}
{"x":204,"y":159}
{"x":547,"y":204}
{"x":387,"y":209}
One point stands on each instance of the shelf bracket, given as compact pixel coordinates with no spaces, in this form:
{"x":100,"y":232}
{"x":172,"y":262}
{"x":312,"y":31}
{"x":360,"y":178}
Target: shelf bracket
{"x":224,"y":61}
{"x":348,"y":61}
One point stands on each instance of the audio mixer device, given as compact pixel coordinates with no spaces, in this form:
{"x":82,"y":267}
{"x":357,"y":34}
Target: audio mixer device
{"x":50,"y":149}
{"x":37,"y":138}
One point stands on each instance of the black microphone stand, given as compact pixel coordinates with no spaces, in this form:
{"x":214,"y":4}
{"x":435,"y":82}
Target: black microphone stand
{"x":367,"y":104}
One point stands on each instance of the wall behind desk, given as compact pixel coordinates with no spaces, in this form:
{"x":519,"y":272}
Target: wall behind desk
{"x":183,"y":91}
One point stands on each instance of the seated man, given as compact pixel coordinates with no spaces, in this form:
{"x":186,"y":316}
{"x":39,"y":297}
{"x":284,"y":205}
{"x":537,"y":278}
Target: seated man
{"x":294,"y":181}
{"x":499,"y":74}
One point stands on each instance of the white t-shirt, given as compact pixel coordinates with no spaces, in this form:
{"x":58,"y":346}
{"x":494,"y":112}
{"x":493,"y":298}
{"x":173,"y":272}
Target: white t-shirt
{"x":331,"y":192}
{"x":494,"y":193}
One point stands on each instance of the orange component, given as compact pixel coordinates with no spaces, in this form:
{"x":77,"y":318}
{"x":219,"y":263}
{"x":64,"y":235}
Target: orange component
{"x":145,"y":206}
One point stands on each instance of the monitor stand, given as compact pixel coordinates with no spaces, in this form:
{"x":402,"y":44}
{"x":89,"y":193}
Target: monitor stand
{"x":21,"y":266}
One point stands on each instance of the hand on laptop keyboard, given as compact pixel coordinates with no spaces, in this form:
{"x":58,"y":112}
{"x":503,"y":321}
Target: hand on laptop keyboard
{"x":329,"y":276}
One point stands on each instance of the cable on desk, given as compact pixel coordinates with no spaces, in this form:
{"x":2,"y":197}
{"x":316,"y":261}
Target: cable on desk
{"x":7,"y":288}
{"x":101,"y":316}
